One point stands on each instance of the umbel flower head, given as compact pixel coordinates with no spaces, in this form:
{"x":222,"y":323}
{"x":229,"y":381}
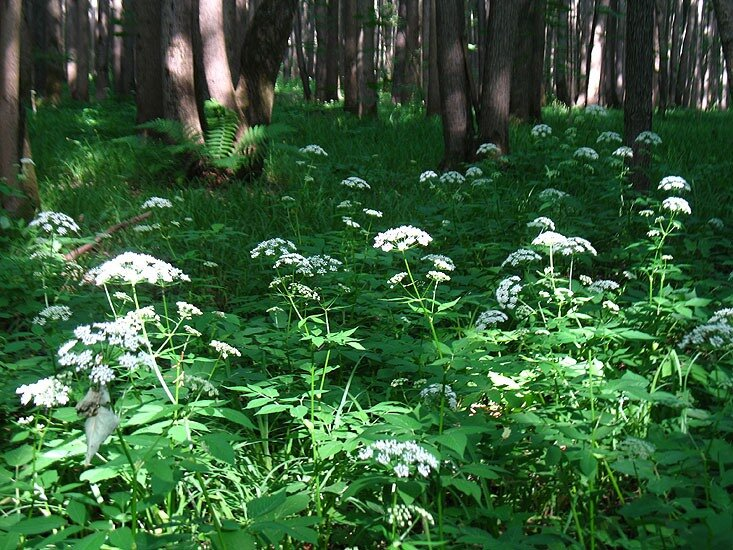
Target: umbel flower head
{"x":401,"y":238}
{"x":132,"y":268}
{"x":401,"y":456}
{"x":54,"y":223}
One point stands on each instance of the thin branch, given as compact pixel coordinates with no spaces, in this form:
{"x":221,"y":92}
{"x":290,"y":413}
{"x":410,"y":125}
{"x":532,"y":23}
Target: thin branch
{"x":83,"y":249}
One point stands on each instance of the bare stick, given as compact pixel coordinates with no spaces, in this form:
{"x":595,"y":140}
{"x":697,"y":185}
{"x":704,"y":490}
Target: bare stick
{"x":83,"y":249}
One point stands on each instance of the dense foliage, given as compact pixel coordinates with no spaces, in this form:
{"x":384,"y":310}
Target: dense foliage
{"x":356,"y":351}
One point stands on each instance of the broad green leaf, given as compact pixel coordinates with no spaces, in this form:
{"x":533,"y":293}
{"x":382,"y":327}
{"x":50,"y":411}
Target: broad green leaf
{"x":37,"y":525}
{"x":121,"y":538}
{"x":264,"y":505}
{"x":19,"y":456}
{"x":220,"y":447}
{"x":77,"y":512}
{"x":91,"y":542}
{"x":454,"y":439}
{"x":234,"y":540}
{"x":237,"y":417}
{"x":272,"y":408}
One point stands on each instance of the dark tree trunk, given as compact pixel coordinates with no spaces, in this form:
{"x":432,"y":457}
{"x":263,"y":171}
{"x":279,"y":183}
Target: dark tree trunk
{"x":433,"y":101}
{"x":455,"y":102}
{"x":300,"y":53}
{"x":262,"y":52}
{"x":350,"y":33}
{"x":684,"y":58}
{"x":610,"y":52}
{"x":639,"y":78}
{"x":102,"y":48}
{"x":82,"y":32}
{"x":53,"y":50}
{"x":218,"y":78}
{"x":662,"y":28}
{"x":562,"y":90}
{"x":148,"y":66}
{"x":527,"y":77}
{"x":332,"y":54}
{"x":496,"y":89}
{"x":321,"y":21}
{"x":400,"y":51}
{"x":365,"y":61}
{"x":724,"y":19}
{"x":129,"y":47}
{"x":405,"y":74}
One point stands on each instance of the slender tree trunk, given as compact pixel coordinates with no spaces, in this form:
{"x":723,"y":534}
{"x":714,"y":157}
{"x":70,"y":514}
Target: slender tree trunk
{"x":102,"y":48}
{"x":300,"y":53}
{"x":82,"y":35}
{"x":70,"y":39}
{"x":332,"y":54}
{"x":724,"y":19}
{"x":350,"y":33}
{"x":529,"y":49}
{"x":148,"y":68}
{"x":662,"y":27}
{"x":117,"y":47}
{"x":683,"y":78}
{"x":594,"y":65}
{"x":411,"y":70}
{"x":219,"y":82}
{"x":129,"y":47}
{"x":562,"y":50}
{"x":433,"y":102}
{"x":54,"y":50}
{"x":400,"y":52}
{"x":496,"y":90}
{"x":455,"y":102}
{"x":321,"y":17}
{"x":365,"y":61}
{"x":639,"y":78}
{"x":610,"y":53}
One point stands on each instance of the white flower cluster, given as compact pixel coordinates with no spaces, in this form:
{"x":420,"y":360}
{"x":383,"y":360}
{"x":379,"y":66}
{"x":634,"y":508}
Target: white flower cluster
{"x":401,"y":238}
{"x":676,"y":204}
{"x":396,"y":279}
{"x":156,"y":202}
{"x":488,"y":149}
{"x":400,"y":455}
{"x":52,"y":313}
{"x":428,"y":176}
{"x":507,"y":293}
{"x":541,"y":131}
{"x":313,"y":149}
{"x":543,"y":223}
{"x":132,"y":268}
{"x":673,"y":183}
{"x":401,"y":515}
{"x":309,"y":266}
{"x":347,"y":205}
{"x":717,"y":332}
{"x":47,"y":392}
{"x":438,"y":276}
{"x":186,"y":310}
{"x":521,"y":256}
{"x":195,"y":383}
{"x":452,"y":177}
{"x":648,"y":138}
{"x":609,"y":137}
{"x":349,"y":222}
{"x":272,"y":247}
{"x":585,"y":153}
{"x":596,"y":110}
{"x":551,"y":194}
{"x":443,"y":263}
{"x":433,"y":392}
{"x":225,"y":349}
{"x":603,"y":285}
{"x":567,"y":246}
{"x":373,"y":213}
{"x":54,"y":223}
{"x":490,"y":317}
{"x":303,"y":291}
{"x":474,"y":172}
{"x":354,"y":182}
{"x":101,"y":374}
{"x":623,"y":152}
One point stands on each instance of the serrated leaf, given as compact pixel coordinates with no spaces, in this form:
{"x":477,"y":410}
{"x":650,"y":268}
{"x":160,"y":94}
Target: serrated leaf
{"x":98,"y":428}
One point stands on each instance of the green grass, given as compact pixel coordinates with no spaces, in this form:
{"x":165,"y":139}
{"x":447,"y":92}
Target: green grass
{"x":580,"y":421}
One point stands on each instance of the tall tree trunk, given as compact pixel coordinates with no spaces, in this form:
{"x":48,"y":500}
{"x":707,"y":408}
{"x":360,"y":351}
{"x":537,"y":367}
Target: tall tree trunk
{"x":117,"y":47}
{"x":350,"y":32}
{"x":148,"y":67}
{"x":82,"y":30}
{"x":331,"y":92}
{"x":724,"y":19}
{"x":496,"y":89}
{"x":102,"y":48}
{"x":321,"y":15}
{"x":433,"y":101}
{"x":683,"y":76}
{"x":218,"y":77}
{"x":529,"y":49}
{"x":18,"y":175}
{"x":411,"y":70}
{"x":300,"y":53}
{"x":70,"y":40}
{"x":54,"y":50}
{"x":129,"y":47}
{"x":639,"y":77}
{"x":662,"y":26}
{"x":365,"y":61}
{"x":562,"y":50}
{"x":609,"y":84}
{"x":455,"y":102}
{"x":594,"y":62}
{"x":400,"y":52}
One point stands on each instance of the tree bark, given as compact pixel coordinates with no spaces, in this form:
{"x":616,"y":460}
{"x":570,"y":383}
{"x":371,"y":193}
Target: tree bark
{"x":321,"y":18}
{"x":331,"y":91}
{"x":19,"y":176}
{"x":53,"y":51}
{"x":365,"y":60}
{"x":610,"y":53}
{"x":639,"y":79}
{"x":127,"y":83}
{"x":300,"y":53}
{"x":148,"y":66}
{"x":594,"y":61}
{"x":496,"y":89}
{"x":529,"y":49}
{"x":350,"y":37}
{"x":724,"y":18}
{"x":562,"y":50}
{"x":455,"y":102}
{"x":81,"y":36}
{"x":102,"y":48}
{"x":218,"y":77}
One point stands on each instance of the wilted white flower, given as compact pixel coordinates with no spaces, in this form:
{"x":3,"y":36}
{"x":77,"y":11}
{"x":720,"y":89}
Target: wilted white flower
{"x":52,"y":313}
{"x":208,"y":263}
{"x":716,"y":223}
{"x":427,"y":176}
{"x":507,"y":293}
{"x":400,"y":456}
{"x":47,"y":392}
{"x":443,"y":263}
{"x":156,"y":202}
{"x":541,"y":131}
{"x":676,"y":204}
{"x":490,"y":317}
{"x":673,"y":183}
{"x":452,"y":177}
{"x":272,"y":247}
{"x":303,"y":291}
{"x":488,"y":149}
{"x":646,"y":213}
{"x":603,"y":285}
{"x":396,"y":279}
{"x":195,"y":383}
{"x":401,"y":238}
{"x":585,"y":153}
{"x":54,"y":223}
{"x":648,"y":138}
{"x":623,"y":152}
{"x":521,"y":256}
{"x":192,"y":331}
{"x":287,"y":199}
{"x":434,"y":392}
{"x":373,"y":213}
{"x":354,"y":182}
{"x":225,"y":349}
{"x":313,"y":149}
{"x":551,"y":194}
{"x":474,"y":172}
{"x":609,"y":137}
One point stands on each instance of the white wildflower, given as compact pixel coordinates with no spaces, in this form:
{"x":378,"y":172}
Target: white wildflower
{"x":354,"y":182}
{"x":434,"y":392}
{"x":401,"y":456}
{"x":474,"y":172}
{"x":101,"y":374}
{"x":347,"y":204}
{"x":401,"y":238}
{"x":596,"y":110}
{"x":603,"y":285}
{"x":396,"y":279}
{"x":490,"y":317}
{"x":443,"y":263}
{"x":52,"y":313}
{"x":623,"y":152}
{"x":646,"y":213}
{"x":551,"y":194}
{"x":373,"y":213}
{"x":716,"y":223}
{"x":648,"y":138}
{"x":541,"y":131}
{"x":287,"y":199}
{"x":676,"y":204}
{"x":428,"y":176}
{"x":609,"y":137}
{"x":576,"y":245}
{"x":521,"y":256}
{"x":611,"y":306}
{"x":438,"y":276}
{"x":452,"y":177}
{"x":132,"y":268}
{"x":192,"y":331}
{"x":673,"y":183}
{"x":186,"y":310}
{"x":550,"y":239}
{"x":156,"y":202}
{"x":303,"y":291}
{"x":586,"y":153}
{"x":225,"y":349}
{"x":507,"y":293}
{"x":349,"y":222}
{"x":543,"y":223}
{"x":47,"y":392}
{"x":313,"y":149}
{"x":272,"y":247}
{"x":54,"y":223}
{"x":488,"y":149}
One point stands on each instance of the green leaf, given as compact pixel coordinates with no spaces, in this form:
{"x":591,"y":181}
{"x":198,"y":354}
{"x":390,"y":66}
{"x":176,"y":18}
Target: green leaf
{"x":91,"y":542}
{"x":37,"y":525}
{"x":464,"y":486}
{"x":237,"y":417}
{"x":272,"y":408}
{"x":455,"y":440}
{"x":588,"y":464}
{"x":234,"y":540}
{"x":77,"y":512}
{"x":19,"y":456}
{"x":265,"y":505}
{"x":219,"y":447}
{"x":121,"y":538}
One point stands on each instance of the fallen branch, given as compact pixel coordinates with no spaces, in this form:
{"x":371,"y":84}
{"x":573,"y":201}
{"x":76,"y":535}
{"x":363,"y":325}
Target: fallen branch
{"x":83,"y":249}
